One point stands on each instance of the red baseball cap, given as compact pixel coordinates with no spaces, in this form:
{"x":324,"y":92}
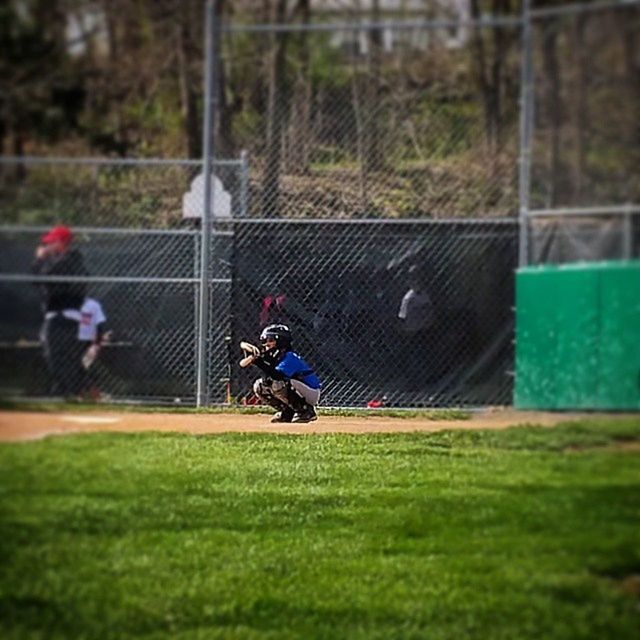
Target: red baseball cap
{"x":59,"y":233}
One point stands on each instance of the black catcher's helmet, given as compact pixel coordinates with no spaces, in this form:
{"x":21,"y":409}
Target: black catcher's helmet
{"x":278,"y":332}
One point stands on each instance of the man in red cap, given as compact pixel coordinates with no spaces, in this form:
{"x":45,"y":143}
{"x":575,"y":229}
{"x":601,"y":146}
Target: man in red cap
{"x":56,"y":261}
{"x":58,"y":237}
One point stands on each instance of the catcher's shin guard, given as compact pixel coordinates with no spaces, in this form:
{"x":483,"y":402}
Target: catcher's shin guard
{"x":295,"y":400}
{"x":304,"y":411}
{"x":282,"y":396}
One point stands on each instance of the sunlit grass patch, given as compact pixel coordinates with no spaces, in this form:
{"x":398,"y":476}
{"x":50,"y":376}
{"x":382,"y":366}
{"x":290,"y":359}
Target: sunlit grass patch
{"x":456,"y":534}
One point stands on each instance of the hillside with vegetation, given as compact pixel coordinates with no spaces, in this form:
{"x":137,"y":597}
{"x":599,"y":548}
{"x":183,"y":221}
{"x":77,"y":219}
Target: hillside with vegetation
{"x":377,"y":123}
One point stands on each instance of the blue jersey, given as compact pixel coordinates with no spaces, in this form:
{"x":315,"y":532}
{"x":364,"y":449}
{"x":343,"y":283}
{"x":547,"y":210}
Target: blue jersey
{"x":293,"y":366}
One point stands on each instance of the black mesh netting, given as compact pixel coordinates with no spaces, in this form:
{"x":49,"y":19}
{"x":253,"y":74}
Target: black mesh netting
{"x":341,"y":286}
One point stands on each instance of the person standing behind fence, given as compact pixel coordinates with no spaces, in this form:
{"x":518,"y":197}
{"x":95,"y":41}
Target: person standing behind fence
{"x":416,"y":316}
{"x":61,"y":304}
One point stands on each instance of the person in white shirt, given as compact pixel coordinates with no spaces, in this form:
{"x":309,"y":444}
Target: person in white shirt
{"x":417,"y":318}
{"x":91,"y":330}
{"x":416,"y":309}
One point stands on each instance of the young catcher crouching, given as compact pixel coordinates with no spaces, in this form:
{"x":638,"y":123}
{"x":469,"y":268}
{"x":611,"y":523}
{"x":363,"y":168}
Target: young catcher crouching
{"x":288,"y":384}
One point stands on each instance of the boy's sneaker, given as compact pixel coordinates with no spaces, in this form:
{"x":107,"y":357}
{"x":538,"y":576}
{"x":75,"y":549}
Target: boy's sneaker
{"x":307,"y":415}
{"x":286,"y":415}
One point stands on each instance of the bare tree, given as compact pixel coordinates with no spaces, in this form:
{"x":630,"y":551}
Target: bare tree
{"x":32,"y":45}
{"x":277,"y":98}
{"x":554,"y":108}
{"x":581,"y":106}
{"x":628,"y":20}
{"x":300,"y":122}
{"x":489,"y":60}
{"x":229,"y":102}
{"x":188,"y":78}
{"x":373,"y":98}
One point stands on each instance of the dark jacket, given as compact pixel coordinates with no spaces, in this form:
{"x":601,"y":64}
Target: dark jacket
{"x":58,"y":296}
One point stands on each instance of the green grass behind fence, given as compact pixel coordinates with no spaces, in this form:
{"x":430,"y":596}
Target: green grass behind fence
{"x":525,"y":533}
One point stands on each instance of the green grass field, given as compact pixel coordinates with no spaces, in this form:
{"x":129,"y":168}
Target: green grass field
{"x":525,"y":533}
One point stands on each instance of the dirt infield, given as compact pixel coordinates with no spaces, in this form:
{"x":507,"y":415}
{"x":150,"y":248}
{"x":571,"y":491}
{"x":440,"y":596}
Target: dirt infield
{"x":19,"y":425}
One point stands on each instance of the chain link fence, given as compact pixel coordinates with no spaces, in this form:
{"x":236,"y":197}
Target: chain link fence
{"x":585,"y":184}
{"x":135,"y":225}
{"x":339,"y":284}
{"x":146,"y":285}
{"x":341,"y":287}
{"x":376,"y":159}
{"x":388,"y":122}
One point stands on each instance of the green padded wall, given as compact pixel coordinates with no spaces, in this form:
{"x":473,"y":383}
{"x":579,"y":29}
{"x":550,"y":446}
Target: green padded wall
{"x":578,"y":336}
{"x":619,"y":381}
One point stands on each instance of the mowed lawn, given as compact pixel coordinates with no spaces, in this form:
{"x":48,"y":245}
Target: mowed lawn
{"x":525,"y":533}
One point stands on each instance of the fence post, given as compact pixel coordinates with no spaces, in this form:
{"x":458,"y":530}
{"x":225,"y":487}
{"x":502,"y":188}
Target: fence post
{"x":205,"y":230}
{"x":526,"y":127}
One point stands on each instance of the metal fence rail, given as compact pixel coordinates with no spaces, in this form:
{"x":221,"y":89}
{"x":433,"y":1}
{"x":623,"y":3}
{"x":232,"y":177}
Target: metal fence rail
{"x":147,"y":282}
{"x":341,"y":286}
{"x":584,"y":234}
{"x":584,"y":151}
{"x":373,"y":157}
